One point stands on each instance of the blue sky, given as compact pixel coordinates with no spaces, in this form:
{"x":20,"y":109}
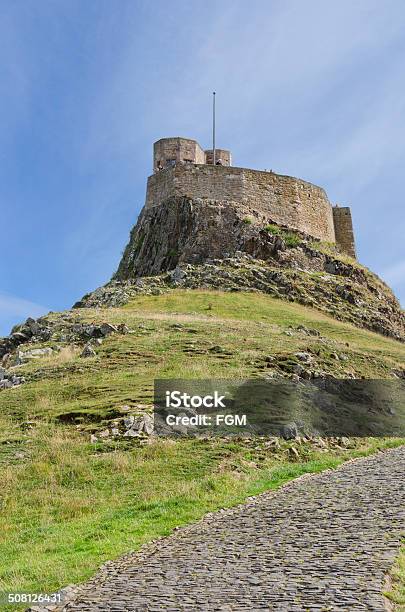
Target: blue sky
{"x":309,"y":88}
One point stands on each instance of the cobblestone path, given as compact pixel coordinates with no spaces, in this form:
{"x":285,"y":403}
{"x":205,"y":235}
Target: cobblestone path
{"x":322,"y":542}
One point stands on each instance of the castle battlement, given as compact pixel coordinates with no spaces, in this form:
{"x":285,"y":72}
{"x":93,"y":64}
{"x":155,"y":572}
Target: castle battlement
{"x":183,"y":169}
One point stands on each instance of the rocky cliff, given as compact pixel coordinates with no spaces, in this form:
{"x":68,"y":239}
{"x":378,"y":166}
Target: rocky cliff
{"x":228,"y":246}
{"x":184,"y":230}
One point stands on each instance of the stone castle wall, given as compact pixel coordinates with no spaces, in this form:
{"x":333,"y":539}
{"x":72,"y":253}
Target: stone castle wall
{"x":342,"y":218}
{"x":279,"y":199}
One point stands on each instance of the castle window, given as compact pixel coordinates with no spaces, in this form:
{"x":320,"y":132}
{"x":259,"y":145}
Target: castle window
{"x":188,"y":161}
{"x":170,"y":162}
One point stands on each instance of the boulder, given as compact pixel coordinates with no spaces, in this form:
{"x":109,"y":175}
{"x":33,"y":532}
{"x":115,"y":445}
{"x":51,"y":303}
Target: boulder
{"x":88,"y":351}
{"x":19,"y":338}
{"x":148,"y":424}
{"x":32,"y":325}
{"x":304,"y":357}
{"x":25,"y":356}
{"x":129,"y":421}
{"x":131,"y":433}
{"x":289,"y":431}
{"x":106,"y":329}
{"x":178,"y":275}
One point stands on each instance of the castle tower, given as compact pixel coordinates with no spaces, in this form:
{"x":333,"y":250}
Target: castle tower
{"x":342,"y":220}
{"x":169,"y":151}
{"x":222,"y":157}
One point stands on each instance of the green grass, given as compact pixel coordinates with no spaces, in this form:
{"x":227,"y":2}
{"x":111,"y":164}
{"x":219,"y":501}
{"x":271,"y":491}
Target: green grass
{"x":66,"y":506}
{"x":71,"y":506}
{"x":268,"y":313}
{"x":247,"y":326}
{"x":330,"y":248}
{"x":291,"y":239}
{"x":276,"y":230}
{"x":397,"y":593}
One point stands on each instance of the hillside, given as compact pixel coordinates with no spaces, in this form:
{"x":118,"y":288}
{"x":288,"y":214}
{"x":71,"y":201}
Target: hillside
{"x":80,"y":491}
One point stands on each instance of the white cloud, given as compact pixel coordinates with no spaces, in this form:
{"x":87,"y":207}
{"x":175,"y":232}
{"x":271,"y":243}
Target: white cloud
{"x":15,"y":307}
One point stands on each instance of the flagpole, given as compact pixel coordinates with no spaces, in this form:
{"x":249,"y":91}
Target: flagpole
{"x":213,"y":128}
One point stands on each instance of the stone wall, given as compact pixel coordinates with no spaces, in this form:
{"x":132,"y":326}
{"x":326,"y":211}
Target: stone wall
{"x":342,"y":218}
{"x":222,"y":154}
{"x":176,"y":150}
{"x":272,"y":197}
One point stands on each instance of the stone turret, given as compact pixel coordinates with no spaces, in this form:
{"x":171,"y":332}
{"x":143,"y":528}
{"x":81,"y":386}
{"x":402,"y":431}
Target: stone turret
{"x":342,"y":219}
{"x":222,"y":157}
{"x":169,"y":151}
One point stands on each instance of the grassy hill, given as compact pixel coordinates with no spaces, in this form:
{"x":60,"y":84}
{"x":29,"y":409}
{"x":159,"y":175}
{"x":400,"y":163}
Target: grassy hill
{"x":69,"y":503}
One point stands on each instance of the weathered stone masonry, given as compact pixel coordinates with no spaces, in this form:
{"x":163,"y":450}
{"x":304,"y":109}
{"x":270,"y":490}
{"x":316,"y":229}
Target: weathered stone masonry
{"x":279,"y":199}
{"x":169,"y":151}
{"x":183,"y":169}
{"x":342,"y":218}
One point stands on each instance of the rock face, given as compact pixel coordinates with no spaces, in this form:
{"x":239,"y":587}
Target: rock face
{"x":182,"y":230}
{"x":230,"y":246}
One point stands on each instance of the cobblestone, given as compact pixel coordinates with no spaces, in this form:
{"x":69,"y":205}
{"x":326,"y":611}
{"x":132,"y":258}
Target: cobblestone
{"x":323,"y":542}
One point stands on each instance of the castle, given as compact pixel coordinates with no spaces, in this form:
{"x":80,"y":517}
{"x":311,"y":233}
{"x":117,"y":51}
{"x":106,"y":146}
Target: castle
{"x":181,"y":168}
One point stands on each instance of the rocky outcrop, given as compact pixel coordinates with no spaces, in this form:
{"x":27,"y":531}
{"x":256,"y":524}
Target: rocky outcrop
{"x":32,"y":330}
{"x":139,"y":425}
{"x":197,"y":243}
{"x":65,"y":328}
{"x":9,"y":379}
{"x":359,"y":298}
{"x":182,"y":230}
